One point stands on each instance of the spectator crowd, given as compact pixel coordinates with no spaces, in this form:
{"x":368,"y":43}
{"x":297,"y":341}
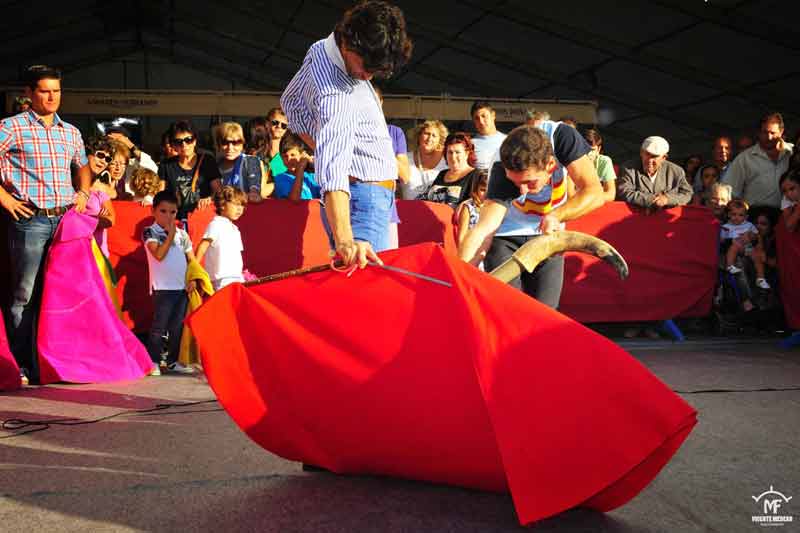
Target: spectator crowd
{"x":747,"y":185}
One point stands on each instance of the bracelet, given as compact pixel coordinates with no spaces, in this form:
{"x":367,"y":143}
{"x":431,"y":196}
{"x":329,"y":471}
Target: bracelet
{"x":84,"y":193}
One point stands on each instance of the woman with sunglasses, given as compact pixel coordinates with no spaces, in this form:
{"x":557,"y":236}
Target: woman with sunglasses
{"x":100,"y":153}
{"x":245,"y":172}
{"x":191,"y":175}
{"x":277,"y":124}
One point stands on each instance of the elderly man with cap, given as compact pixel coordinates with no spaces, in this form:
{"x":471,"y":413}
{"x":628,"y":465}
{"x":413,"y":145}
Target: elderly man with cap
{"x":652,"y":181}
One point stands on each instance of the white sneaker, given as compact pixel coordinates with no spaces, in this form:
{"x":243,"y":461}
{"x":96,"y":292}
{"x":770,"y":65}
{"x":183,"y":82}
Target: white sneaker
{"x":156,"y":371}
{"x":761,"y":283}
{"x":179,"y":368}
{"x":733,"y":269}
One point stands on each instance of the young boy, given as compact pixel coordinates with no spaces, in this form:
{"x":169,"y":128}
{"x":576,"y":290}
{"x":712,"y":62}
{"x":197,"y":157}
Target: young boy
{"x":169,"y":250}
{"x":737,"y":235}
{"x":296,"y":183}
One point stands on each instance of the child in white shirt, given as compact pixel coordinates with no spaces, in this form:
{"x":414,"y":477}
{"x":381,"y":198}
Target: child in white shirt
{"x":169,"y":251}
{"x":737,"y":235}
{"x":222,"y":242}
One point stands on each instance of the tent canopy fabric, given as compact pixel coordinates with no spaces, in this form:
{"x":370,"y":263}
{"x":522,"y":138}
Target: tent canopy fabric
{"x":683,"y":70}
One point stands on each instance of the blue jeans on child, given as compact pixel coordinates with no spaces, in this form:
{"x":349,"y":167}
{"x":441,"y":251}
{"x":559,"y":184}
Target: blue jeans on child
{"x":370,"y":211}
{"x":169,"y":310}
{"x":28,"y":241}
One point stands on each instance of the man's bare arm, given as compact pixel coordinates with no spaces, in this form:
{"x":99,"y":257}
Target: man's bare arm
{"x":589,"y":195}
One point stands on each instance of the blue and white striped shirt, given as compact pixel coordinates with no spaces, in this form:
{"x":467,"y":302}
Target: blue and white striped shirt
{"x":343,"y":116}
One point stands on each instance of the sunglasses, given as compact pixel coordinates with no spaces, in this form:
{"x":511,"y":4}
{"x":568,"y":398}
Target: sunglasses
{"x":283,"y":125}
{"x":103,"y":155}
{"x":234,"y":142}
{"x":182,"y":140}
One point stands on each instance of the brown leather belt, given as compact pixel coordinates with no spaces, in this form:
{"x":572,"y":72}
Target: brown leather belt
{"x":52,"y":211}
{"x":386,"y":184}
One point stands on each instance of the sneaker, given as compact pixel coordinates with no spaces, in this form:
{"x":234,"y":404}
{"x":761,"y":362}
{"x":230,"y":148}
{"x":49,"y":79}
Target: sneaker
{"x":156,"y":371}
{"x":733,"y":269}
{"x":23,"y":377}
{"x":761,"y":283}
{"x":179,"y":368}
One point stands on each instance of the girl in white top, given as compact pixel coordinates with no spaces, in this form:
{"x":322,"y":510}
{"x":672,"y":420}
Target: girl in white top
{"x":222,"y":242}
{"x":427,"y":159}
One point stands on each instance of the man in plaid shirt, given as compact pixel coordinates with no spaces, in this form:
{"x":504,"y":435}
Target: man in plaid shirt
{"x":37,"y":150}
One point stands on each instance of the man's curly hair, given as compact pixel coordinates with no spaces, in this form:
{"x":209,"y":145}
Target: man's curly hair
{"x":376,"y":31}
{"x":526,"y":147}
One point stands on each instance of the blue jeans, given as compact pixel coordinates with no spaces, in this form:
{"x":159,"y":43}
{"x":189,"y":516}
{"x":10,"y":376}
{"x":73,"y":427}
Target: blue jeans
{"x":370,"y":210}
{"x":28,"y":241}
{"x":169,"y":310}
{"x":546,"y":280}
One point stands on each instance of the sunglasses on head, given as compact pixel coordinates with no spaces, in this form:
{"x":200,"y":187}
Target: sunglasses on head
{"x":283,"y":125}
{"x":103,"y":155}
{"x":182,"y":140}
{"x":234,"y":142}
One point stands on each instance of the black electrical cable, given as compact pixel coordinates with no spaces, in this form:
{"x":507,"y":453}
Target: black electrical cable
{"x":24,"y":427}
{"x":160,"y":409}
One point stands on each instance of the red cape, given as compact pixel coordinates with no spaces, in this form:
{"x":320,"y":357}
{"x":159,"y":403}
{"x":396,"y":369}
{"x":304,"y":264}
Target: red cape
{"x":477,"y":385}
{"x":80,"y":337}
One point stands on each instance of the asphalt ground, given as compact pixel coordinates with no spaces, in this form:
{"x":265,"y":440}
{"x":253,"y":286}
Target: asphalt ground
{"x":165,"y":457}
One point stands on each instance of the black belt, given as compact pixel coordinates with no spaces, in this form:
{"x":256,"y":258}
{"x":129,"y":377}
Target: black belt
{"x":52,"y":211}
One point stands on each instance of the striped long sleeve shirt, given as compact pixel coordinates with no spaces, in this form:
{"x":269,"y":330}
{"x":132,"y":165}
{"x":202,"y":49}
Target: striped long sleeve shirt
{"x":35,"y":158}
{"x":343,"y":116}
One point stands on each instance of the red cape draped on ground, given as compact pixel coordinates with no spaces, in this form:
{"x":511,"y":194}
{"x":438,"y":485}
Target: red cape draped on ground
{"x":672,"y":256}
{"x":80,"y":338}
{"x":477,"y":385}
{"x":789,"y":272}
{"x":9,"y":371}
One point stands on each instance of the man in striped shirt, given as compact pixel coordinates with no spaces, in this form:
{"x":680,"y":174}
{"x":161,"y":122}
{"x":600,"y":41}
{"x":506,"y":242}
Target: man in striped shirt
{"x":331,"y":104}
{"x":37,"y":151}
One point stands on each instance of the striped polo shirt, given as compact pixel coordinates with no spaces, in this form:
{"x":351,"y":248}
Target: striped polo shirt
{"x":343,"y":116}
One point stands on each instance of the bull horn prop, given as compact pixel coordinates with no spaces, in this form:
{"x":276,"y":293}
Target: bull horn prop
{"x":533,"y":252}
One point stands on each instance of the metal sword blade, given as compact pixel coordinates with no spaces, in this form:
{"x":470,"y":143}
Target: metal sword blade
{"x":412,"y":274}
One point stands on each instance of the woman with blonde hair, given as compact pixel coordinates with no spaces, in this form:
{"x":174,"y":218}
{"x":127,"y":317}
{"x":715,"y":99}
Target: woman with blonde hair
{"x":426,"y":160}
{"x":244,"y":172}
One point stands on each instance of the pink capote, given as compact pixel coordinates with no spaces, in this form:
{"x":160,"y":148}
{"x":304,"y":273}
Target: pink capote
{"x":9,"y":371}
{"x":80,"y":338}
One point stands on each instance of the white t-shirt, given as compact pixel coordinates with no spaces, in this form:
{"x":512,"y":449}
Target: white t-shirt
{"x":486,"y":147}
{"x":224,"y":255}
{"x":734,"y":231}
{"x":169,"y":274}
{"x":419,"y":180}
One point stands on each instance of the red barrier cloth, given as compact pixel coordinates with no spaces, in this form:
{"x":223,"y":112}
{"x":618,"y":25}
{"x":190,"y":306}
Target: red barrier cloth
{"x":788,"y":244}
{"x":80,"y":339}
{"x":9,"y":371}
{"x":474,"y":385}
{"x":672,"y":255}
{"x":278,"y":235}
